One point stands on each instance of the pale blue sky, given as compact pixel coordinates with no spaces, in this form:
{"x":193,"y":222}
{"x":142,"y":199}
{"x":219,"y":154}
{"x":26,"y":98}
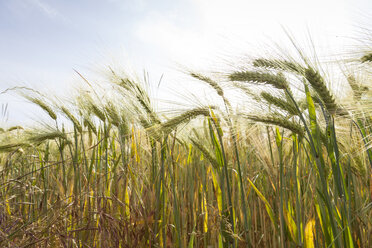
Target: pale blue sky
{"x":42,"y":41}
{"x":38,"y":36}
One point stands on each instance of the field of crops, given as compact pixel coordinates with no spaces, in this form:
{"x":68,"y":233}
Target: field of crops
{"x":109,"y":170}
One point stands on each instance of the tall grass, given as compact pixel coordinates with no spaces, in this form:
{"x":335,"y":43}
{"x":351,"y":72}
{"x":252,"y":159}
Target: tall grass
{"x":113,"y":172}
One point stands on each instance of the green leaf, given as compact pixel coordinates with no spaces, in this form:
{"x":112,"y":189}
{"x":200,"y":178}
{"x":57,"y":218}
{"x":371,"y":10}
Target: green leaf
{"x":269,"y":210}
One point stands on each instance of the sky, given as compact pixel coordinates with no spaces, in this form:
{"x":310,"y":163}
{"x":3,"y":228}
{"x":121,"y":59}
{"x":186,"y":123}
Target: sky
{"x":42,"y":42}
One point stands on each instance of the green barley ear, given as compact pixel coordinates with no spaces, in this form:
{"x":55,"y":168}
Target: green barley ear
{"x":209,"y":81}
{"x":87,"y":104}
{"x":278,"y":81}
{"x":279,"y":121}
{"x":144,"y":121}
{"x":39,"y":137}
{"x":88,"y":123}
{"x":133,"y":89}
{"x":280,"y":103}
{"x":358,"y":89}
{"x":12,"y":147}
{"x":97,"y":111}
{"x":366,"y":58}
{"x":205,"y":152}
{"x":279,"y":65}
{"x":247,"y":91}
{"x":113,"y":114}
{"x":184,"y":117}
{"x":72,"y":118}
{"x":318,"y":84}
{"x":43,"y":105}
{"x":14,"y":128}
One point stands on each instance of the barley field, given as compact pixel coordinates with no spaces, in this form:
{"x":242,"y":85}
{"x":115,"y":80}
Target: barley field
{"x":110,"y":170}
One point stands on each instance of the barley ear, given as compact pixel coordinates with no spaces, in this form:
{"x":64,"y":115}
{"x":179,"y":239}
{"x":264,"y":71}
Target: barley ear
{"x":278,"y":65}
{"x":209,"y":81}
{"x":280,"y":103}
{"x":43,"y":105}
{"x":318,"y":84}
{"x":279,"y":121}
{"x":366,"y":58}
{"x":276,"y":80}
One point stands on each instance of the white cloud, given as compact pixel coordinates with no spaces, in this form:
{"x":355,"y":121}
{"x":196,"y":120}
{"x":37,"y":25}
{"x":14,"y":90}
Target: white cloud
{"x":225,"y":26}
{"x":229,"y":29}
{"x":160,"y":32}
